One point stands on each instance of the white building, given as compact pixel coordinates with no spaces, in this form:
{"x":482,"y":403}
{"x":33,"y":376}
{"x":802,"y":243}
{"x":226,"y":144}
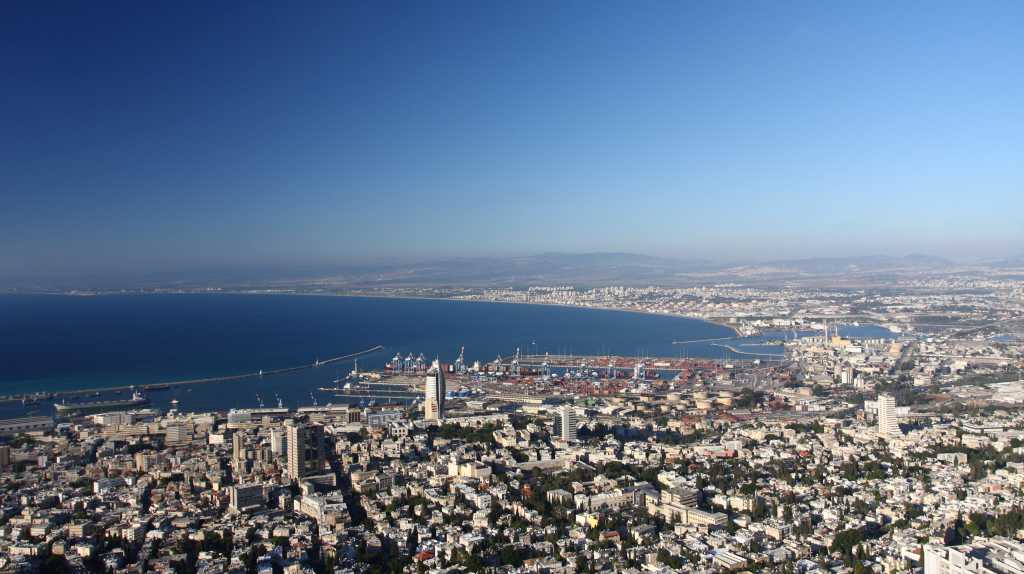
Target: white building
{"x":433,"y":400}
{"x":329,"y":510}
{"x":566,"y":423}
{"x":888,"y":424}
{"x":982,"y":556}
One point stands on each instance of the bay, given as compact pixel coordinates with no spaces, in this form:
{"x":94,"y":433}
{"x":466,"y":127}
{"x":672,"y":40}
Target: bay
{"x":59,"y":343}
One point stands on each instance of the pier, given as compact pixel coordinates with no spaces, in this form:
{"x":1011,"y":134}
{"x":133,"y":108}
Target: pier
{"x":702,"y":340}
{"x":738,"y":352}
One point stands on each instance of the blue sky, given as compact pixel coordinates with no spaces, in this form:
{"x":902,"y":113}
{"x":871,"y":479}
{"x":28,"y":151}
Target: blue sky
{"x":176,"y":136}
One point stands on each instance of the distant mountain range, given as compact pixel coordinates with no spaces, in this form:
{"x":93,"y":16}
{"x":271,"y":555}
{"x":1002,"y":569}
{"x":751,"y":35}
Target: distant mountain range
{"x":1015,"y":262}
{"x":579,"y":269}
{"x":544,"y":268}
{"x":591,"y":269}
{"x":869,"y":263}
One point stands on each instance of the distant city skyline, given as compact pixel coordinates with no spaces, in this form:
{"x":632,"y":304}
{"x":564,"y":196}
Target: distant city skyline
{"x":179,"y":139}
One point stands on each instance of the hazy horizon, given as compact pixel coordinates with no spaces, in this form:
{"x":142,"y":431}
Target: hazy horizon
{"x":493,"y":271}
{"x":174,"y":139}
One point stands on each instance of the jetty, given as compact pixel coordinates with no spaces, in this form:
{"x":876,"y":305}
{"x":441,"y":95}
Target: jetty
{"x":702,"y":340}
{"x":732,"y":349}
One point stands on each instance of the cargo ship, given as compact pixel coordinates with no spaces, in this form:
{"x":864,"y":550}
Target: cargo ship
{"x":136,"y":400}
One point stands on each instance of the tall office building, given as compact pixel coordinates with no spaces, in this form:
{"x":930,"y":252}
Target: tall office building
{"x":278,"y":442}
{"x":306,"y":452}
{"x":887,"y":421}
{"x":846,"y":375}
{"x":565,"y":423}
{"x":238,"y":454}
{"x":433,"y":399}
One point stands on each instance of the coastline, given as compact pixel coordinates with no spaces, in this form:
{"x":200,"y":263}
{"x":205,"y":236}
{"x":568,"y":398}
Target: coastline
{"x":734,"y":330}
{"x":240,"y":375}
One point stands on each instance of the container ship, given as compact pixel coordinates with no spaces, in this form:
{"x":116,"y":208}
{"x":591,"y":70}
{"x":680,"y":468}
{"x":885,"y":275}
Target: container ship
{"x":136,"y":400}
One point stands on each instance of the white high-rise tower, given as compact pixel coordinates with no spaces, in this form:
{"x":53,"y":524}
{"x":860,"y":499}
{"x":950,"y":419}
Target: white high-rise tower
{"x":565,"y":423}
{"x":433,"y":399}
{"x":887,"y":423}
